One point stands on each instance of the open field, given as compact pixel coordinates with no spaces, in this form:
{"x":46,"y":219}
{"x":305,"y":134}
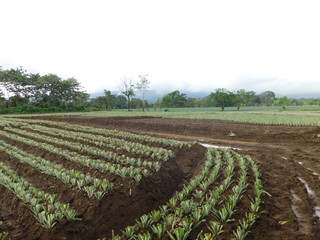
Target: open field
{"x":163,"y":181}
{"x":296,"y":116}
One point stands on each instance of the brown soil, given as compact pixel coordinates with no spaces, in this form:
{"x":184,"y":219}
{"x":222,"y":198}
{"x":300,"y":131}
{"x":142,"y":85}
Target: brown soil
{"x":290,"y":165}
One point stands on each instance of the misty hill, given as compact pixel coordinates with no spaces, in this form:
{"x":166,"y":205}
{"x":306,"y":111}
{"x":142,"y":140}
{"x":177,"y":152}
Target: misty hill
{"x":152,"y":95}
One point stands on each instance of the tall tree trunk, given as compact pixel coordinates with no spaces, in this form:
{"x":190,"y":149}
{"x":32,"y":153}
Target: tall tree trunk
{"x":143,"y":102}
{"x":128,"y":102}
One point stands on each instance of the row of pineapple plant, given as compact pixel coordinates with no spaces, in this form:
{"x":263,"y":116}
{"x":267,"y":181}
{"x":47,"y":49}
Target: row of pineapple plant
{"x":108,"y":132}
{"x":247,"y":222}
{"x":101,"y":141}
{"x":135,"y":172}
{"x":82,"y":148}
{"x":204,"y":202}
{"x":94,"y":187}
{"x":45,"y":207}
{"x":108,"y":142}
{"x":144,"y":167}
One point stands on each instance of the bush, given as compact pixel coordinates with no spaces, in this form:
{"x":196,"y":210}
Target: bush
{"x":34,"y":109}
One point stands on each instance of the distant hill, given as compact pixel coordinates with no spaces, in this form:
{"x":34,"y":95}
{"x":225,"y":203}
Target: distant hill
{"x":152,"y":95}
{"x":306,"y":95}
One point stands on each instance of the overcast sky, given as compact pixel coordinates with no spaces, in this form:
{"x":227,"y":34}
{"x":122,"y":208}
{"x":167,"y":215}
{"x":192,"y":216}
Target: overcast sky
{"x":185,"y":45}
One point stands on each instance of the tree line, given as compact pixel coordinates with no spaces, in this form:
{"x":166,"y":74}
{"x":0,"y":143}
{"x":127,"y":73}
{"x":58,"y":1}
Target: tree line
{"x":28,"y":92}
{"x":21,"y":91}
{"x":222,"y":98}
{"x":218,"y":98}
{"x":128,"y":88}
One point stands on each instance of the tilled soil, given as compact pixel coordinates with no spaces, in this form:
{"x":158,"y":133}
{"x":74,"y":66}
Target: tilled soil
{"x":126,"y":202}
{"x":288,"y":155}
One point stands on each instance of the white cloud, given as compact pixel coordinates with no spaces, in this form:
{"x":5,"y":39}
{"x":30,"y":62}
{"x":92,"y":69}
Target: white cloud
{"x":187,"y":45}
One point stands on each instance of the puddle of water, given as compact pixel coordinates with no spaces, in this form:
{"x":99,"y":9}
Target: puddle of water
{"x":310,"y":192}
{"x":215,"y":146}
{"x":295,"y":197}
{"x":310,"y":170}
{"x":312,"y":195}
{"x":313,"y":172}
{"x":209,"y":145}
{"x":317,"y":211}
{"x":295,"y":210}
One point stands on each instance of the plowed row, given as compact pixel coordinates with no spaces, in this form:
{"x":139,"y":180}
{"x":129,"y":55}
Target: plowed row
{"x":130,"y":177}
{"x":286,"y":154}
{"x":288,"y":159}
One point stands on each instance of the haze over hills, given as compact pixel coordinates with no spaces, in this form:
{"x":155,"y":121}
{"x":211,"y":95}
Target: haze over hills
{"x":153,"y":95}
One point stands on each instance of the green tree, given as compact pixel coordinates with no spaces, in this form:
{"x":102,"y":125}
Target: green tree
{"x":137,"y":103}
{"x":110,"y":99}
{"x":53,"y":91}
{"x":23,"y":88}
{"x":283,"y":102}
{"x":17,"y":85}
{"x":48,"y":93}
{"x":221,"y":97}
{"x":268,"y":98}
{"x":158,"y":104}
{"x":174,"y":99}
{"x":70,"y":91}
{"x":99,"y":102}
{"x":121,"y":102}
{"x":191,"y":102}
{"x":256,"y":100}
{"x":243,"y":97}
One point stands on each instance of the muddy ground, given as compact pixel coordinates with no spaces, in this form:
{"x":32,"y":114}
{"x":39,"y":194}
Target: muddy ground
{"x":288,"y":155}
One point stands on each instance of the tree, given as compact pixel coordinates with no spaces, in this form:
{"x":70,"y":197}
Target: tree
{"x":21,"y":88}
{"x":110,"y":99}
{"x":242,"y":97}
{"x":137,"y":103}
{"x":267,"y":98}
{"x":99,"y":102}
{"x":283,"y":102}
{"x":174,"y":99}
{"x":191,"y":102}
{"x":70,"y":92}
{"x":52,"y":91}
{"x":121,"y":102}
{"x":257,"y":100}
{"x":127,"y":89}
{"x":158,"y":104}
{"x":142,"y":85}
{"x":17,"y":85}
{"x":221,"y":97}
{"x":207,"y":101}
{"x":48,"y":90}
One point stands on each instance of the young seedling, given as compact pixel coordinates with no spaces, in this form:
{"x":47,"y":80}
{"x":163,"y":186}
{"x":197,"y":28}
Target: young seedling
{"x":159,"y":230}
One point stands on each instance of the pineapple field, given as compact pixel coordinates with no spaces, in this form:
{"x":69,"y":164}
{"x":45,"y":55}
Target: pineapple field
{"x":153,"y":178}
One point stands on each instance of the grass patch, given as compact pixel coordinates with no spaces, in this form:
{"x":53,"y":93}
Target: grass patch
{"x":294,"y":116}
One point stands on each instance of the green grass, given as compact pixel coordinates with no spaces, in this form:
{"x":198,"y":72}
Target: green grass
{"x":262,"y":115}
